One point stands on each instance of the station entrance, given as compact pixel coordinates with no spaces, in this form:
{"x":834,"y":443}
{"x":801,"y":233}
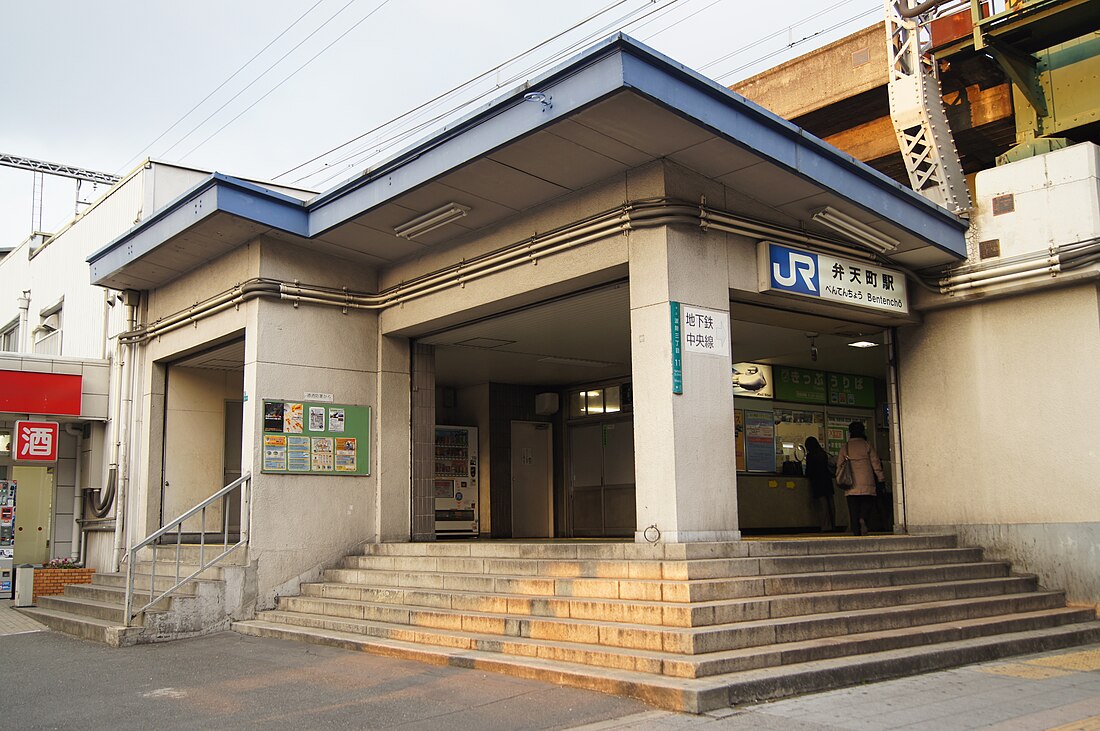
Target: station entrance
{"x":541,"y":400}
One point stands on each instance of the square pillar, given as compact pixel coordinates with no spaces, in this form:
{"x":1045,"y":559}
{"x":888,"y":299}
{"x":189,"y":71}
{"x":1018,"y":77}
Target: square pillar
{"x":685,"y":465}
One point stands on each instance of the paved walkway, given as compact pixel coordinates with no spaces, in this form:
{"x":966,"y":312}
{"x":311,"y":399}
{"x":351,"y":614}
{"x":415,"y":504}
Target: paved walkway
{"x":231,"y":681}
{"x":13,"y":623}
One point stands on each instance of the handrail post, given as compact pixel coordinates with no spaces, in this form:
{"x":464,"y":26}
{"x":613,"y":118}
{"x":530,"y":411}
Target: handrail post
{"x":243,"y":484}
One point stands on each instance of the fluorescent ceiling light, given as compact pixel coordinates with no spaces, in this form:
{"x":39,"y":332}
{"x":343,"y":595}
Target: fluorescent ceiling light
{"x":575,"y":361}
{"x":431,"y":220}
{"x":855,"y":230}
{"x":863,"y":344}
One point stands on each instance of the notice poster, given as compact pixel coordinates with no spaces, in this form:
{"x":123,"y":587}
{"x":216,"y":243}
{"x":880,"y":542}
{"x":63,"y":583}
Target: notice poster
{"x":345,"y":454}
{"x":316,"y":418}
{"x":321,"y":453}
{"x":315,"y":437}
{"x":292,"y":418}
{"x":336,"y":420}
{"x":759,"y":441}
{"x":297,"y":454}
{"x":739,"y":438}
{"x":275,"y":451}
{"x":273,"y":416}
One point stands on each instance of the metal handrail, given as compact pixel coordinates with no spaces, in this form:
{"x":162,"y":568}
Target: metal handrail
{"x":243,"y":484}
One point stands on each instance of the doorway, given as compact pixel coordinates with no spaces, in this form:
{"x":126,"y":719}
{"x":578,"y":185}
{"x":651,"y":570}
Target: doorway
{"x":601,"y":465}
{"x":33,"y":513}
{"x":532,"y":480}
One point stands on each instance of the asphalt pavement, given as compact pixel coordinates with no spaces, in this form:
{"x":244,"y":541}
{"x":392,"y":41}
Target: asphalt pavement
{"x":51,"y":681}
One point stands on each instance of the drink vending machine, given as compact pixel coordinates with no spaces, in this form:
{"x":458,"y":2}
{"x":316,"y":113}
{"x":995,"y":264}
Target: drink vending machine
{"x":7,"y":536}
{"x":455,"y":483}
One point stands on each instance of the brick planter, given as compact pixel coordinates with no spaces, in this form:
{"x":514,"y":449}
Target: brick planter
{"x":49,"y":582}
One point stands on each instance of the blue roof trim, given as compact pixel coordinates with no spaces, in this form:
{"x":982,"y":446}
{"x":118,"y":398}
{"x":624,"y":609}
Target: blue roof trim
{"x":217,"y":193}
{"x":611,"y":66}
{"x":753,"y":127}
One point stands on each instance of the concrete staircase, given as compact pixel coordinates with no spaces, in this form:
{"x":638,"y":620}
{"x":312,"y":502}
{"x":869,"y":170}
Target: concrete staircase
{"x":688,"y":627}
{"x":96,"y":611}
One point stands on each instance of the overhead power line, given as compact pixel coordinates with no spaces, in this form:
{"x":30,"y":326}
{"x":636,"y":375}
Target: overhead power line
{"x":221,"y":86}
{"x":387,"y":143}
{"x":450,"y":91}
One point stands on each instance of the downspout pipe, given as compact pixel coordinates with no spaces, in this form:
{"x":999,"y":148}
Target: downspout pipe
{"x":24,"y":303}
{"x":77,"y":431}
{"x":919,"y":9}
{"x":122,"y":431}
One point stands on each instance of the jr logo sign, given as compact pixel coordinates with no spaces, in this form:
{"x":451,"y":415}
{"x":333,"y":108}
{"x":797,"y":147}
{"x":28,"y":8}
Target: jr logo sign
{"x":851,"y":282}
{"x":793,"y":271}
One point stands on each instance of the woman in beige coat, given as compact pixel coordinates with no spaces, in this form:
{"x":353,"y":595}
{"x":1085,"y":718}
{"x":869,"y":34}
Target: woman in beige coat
{"x":866,"y":473}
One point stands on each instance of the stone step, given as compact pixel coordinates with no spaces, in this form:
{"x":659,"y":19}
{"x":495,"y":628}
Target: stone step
{"x":169,"y":569}
{"x":698,"y":695}
{"x":90,"y":608}
{"x":672,"y":590}
{"x":676,"y":614}
{"x":685,"y":640}
{"x":622,"y":550}
{"x":194,"y":554}
{"x":684,"y":665}
{"x":88,"y":628}
{"x":142,"y":582}
{"x":112,"y":595}
{"x":663,"y":569}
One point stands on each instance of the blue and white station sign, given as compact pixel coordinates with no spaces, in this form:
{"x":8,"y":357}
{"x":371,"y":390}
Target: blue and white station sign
{"x":820,"y":276}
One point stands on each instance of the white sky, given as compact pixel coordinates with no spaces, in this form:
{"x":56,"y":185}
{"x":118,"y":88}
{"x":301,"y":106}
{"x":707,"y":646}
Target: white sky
{"x":92,"y":84}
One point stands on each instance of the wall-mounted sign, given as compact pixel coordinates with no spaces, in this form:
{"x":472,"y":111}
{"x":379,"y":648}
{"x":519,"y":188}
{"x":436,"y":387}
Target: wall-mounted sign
{"x":849,"y":390}
{"x":800,"y":385}
{"x":316,"y":438}
{"x":677,"y":348}
{"x":824,"y":277}
{"x":35,"y":441}
{"x":706,"y":331}
{"x":22,"y":392}
{"x":753,"y":380}
{"x":759,"y":441}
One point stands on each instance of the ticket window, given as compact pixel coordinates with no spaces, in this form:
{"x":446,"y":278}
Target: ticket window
{"x":792,"y":428}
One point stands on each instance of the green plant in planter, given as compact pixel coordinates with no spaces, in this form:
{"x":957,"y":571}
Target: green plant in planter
{"x":62,"y":562}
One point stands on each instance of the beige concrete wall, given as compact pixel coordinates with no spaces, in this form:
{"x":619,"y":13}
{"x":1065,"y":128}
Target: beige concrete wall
{"x":999,"y":404}
{"x":302,"y":522}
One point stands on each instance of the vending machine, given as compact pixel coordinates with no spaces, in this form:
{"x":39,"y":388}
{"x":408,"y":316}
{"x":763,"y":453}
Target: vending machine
{"x":455,"y":482}
{"x":7,"y":536}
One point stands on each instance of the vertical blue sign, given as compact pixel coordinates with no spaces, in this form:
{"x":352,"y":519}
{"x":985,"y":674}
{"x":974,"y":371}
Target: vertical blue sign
{"x":677,"y":353}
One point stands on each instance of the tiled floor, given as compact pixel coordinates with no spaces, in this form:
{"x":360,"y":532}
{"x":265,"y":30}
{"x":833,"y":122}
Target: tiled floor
{"x":13,"y":623}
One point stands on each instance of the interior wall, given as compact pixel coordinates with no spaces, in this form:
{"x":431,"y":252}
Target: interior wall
{"x":998,"y":407}
{"x":194,"y":451}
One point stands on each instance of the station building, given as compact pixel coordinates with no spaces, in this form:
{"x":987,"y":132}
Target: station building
{"x":612,"y":304}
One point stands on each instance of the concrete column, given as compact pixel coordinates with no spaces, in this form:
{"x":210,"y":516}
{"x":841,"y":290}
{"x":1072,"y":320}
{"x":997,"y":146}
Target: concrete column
{"x":394,"y":439}
{"x":685,"y":467}
{"x":423,"y":442}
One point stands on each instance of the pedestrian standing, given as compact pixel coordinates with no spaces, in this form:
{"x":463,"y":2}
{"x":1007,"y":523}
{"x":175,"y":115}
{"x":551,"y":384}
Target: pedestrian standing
{"x":866,"y":474}
{"x":819,"y":470}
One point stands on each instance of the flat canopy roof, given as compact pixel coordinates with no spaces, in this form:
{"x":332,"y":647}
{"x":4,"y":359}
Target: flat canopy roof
{"x":614,"y":107}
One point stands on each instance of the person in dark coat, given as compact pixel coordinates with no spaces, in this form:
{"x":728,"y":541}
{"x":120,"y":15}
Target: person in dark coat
{"x":820,"y":474}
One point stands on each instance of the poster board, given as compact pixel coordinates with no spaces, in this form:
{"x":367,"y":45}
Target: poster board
{"x":311,"y":438}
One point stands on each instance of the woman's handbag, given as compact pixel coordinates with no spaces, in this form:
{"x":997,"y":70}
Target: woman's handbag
{"x":844,"y":476}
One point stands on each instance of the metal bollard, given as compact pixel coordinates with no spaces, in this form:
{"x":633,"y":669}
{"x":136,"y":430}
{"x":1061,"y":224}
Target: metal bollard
{"x":24,"y":585}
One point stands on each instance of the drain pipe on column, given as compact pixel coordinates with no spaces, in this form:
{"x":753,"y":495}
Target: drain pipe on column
{"x":122,"y":432}
{"x":902,"y":519}
{"x":24,"y":303}
{"x":78,"y":494}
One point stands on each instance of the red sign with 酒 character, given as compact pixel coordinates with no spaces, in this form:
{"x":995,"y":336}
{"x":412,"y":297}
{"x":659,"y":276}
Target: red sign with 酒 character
{"x":35,"y":441}
{"x":39,"y":393}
